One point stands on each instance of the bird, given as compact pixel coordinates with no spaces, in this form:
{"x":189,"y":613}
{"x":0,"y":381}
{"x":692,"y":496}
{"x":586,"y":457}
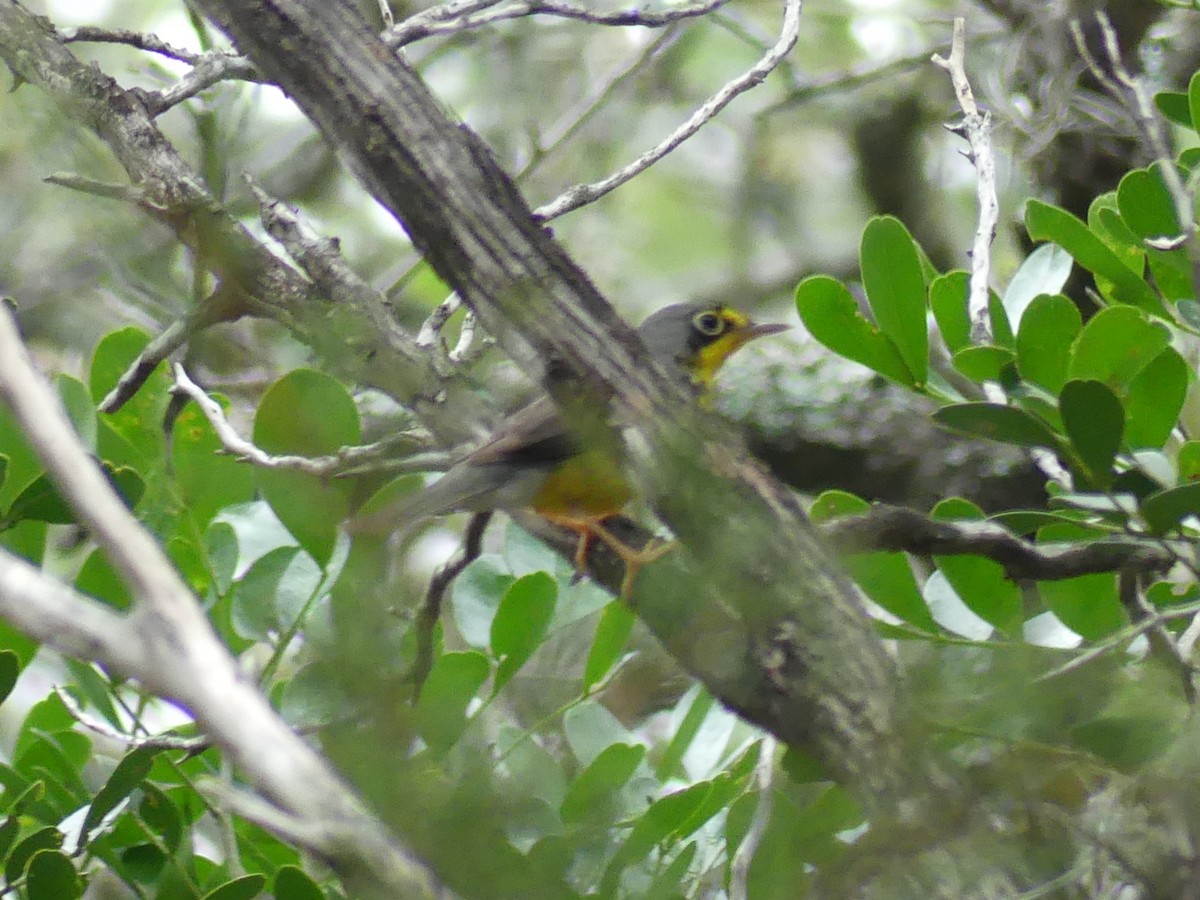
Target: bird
{"x":533,"y":460}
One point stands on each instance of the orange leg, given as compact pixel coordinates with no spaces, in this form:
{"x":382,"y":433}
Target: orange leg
{"x":634,"y":559}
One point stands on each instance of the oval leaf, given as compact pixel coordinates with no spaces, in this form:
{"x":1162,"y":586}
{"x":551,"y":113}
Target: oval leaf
{"x":294,"y":884}
{"x":1165,"y":510}
{"x":948,"y":300}
{"x":1049,"y":223}
{"x":997,"y":422}
{"x":1155,"y":400}
{"x":245,"y":888}
{"x":980,"y":583}
{"x":1044,"y":271}
{"x":309,"y":414}
{"x":895,"y":286}
{"x":831,"y":316}
{"x":1049,"y":325}
{"x":1116,"y":344}
{"x":1095,"y":423}
{"x":612,"y":634}
{"x":591,"y":795}
{"x":452,"y":684}
{"x":521,"y":622}
{"x":51,"y":876}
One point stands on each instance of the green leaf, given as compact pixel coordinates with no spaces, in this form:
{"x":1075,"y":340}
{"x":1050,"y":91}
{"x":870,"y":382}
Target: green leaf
{"x":1155,"y":399}
{"x":41,"y":502}
{"x":21,"y":463}
{"x":9,"y":830}
{"x":891,"y":274}
{"x":130,"y":772}
{"x":1002,"y":329}
{"x":887,"y":578}
{"x":253,"y":607}
{"x":52,"y":877}
{"x":672,"y":759}
{"x":97,"y":578}
{"x":590,"y":728}
{"x":592,"y":795}
{"x":948,"y":300}
{"x":1049,"y":223}
{"x":1088,"y":605}
{"x":46,"y":716}
{"x":292,"y":882}
{"x":1194,"y":100}
{"x":997,"y":422}
{"x":1116,"y":344}
{"x":452,"y":684}
{"x":612,"y":635}
{"x":520,"y":623}
{"x":1188,"y":461}
{"x":1049,"y":325}
{"x":10,"y":670}
{"x":980,"y":583}
{"x":139,"y":421}
{"x":208,"y":481}
{"x":310,"y":414}
{"x":1145,"y":204}
{"x":77,"y":401}
{"x":983,"y":363}
{"x":142,"y":862}
{"x":1174,"y":105}
{"x":313,"y":698}
{"x":832,"y":317}
{"x":245,"y":888}
{"x":1165,"y":510}
{"x":23,"y":852}
{"x":162,"y":816}
{"x":475,"y":596}
{"x":1095,"y":423}
{"x":1044,"y":272}
{"x":663,"y":820}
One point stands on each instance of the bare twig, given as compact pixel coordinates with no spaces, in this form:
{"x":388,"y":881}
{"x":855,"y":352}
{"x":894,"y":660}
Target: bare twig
{"x":456,"y":17}
{"x":106,"y":189}
{"x":436,"y":320}
{"x":356,"y":460}
{"x":209,"y":69}
{"x":322,"y":261}
{"x":151,"y":742}
{"x":385,"y":13}
{"x":583,"y":194}
{"x":976,"y":128}
{"x":898,"y":529}
{"x":431,"y":609}
{"x":150,"y":42}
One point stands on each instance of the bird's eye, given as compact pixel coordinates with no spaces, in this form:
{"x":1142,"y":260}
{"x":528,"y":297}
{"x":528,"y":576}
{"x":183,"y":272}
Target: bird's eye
{"x":708,"y":323}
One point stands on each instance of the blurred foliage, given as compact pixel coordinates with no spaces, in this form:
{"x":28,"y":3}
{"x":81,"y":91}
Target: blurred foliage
{"x":541,"y":758}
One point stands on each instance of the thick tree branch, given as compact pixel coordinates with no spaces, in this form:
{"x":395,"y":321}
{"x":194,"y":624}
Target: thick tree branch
{"x":802,"y":659}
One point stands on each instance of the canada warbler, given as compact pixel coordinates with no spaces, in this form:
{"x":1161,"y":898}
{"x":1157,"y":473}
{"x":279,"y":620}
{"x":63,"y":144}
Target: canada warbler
{"x":533,"y":461}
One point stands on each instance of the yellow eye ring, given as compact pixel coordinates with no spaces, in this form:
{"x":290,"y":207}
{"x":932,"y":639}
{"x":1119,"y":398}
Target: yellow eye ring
{"x":708,"y":323}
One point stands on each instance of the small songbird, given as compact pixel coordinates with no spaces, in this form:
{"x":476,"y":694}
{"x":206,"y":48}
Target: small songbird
{"x":534,"y":461}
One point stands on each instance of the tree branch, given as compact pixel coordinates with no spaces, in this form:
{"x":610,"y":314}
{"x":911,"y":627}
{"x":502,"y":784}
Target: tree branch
{"x":893,"y":528}
{"x":787,"y":665}
{"x":167,"y":643}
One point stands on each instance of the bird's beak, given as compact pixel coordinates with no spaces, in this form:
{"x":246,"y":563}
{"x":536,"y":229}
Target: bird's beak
{"x":757,"y":330}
